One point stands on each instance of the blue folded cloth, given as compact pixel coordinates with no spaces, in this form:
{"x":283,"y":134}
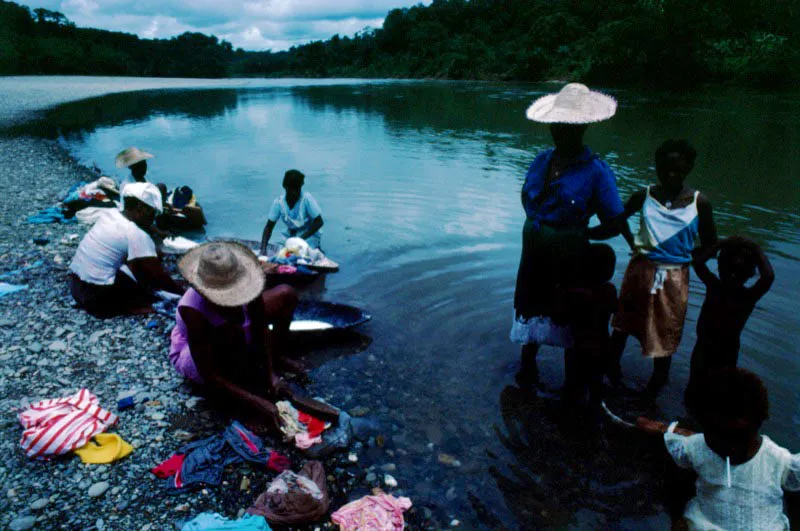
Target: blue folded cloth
{"x":52,"y":214}
{"x":6,"y":288}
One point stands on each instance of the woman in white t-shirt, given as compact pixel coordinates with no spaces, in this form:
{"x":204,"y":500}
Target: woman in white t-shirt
{"x":97,"y":281}
{"x":298,"y":210}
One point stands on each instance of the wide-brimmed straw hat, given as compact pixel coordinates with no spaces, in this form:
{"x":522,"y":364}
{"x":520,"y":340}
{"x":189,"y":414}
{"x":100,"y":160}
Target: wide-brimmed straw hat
{"x":226,"y":273}
{"x":132,"y":155}
{"x":107,"y":184}
{"x":573,"y":104}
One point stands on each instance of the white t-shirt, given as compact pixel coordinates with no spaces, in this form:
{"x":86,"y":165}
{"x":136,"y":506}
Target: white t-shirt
{"x":754,"y":499}
{"x":298,"y":218}
{"x":110,"y":242}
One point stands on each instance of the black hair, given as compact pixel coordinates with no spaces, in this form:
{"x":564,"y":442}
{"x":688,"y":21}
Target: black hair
{"x":681,"y":146}
{"x":163,"y":189}
{"x":731,"y":252}
{"x":599,"y":261}
{"x":731,"y":394}
{"x":293,"y":178}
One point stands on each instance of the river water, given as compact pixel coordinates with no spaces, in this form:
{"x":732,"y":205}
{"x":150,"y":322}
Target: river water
{"x":419,"y":185}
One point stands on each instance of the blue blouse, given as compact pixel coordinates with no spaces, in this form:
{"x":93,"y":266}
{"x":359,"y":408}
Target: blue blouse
{"x":586,"y":188}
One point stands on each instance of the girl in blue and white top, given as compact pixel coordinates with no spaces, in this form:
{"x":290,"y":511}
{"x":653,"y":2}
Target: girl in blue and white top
{"x":655,"y":290}
{"x":298,"y":210}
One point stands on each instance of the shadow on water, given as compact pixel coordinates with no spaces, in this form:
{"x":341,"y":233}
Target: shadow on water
{"x":567,"y":467}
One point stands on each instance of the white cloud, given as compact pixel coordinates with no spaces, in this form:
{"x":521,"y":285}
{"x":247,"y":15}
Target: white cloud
{"x":250,"y":24}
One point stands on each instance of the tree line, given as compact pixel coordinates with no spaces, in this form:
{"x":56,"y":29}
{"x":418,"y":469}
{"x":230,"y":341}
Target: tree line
{"x":46,"y":42}
{"x":602,"y":41}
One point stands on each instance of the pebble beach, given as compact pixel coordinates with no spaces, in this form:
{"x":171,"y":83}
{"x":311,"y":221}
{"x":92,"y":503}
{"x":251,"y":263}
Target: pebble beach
{"x":50,"y":349}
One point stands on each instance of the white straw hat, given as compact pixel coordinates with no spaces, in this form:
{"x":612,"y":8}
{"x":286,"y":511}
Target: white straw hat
{"x":226,"y":273}
{"x":573,"y":104}
{"x":147,"y":193}
{"x":107,"y":184}
{"x":132,"y":155}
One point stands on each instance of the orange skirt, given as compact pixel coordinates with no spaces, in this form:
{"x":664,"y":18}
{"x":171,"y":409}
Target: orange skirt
{"x":653,"y":301}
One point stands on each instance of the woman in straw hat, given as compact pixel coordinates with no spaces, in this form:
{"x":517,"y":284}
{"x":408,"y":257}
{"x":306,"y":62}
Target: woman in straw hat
{"x":135,"y":160}
{"x":222,"y":335}
{"x":564,"y":187}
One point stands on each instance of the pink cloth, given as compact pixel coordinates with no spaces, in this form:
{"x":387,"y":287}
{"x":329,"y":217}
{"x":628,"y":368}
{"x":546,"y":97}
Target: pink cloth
{"x":304,"y":441}
{"x":376,"y":513}
{"x":287,"y":269}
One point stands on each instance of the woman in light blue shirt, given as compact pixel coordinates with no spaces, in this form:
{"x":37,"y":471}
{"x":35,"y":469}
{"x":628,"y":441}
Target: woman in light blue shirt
{"x":298,"y":210}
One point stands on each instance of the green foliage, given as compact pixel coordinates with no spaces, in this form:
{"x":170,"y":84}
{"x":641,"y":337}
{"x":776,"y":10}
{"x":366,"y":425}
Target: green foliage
{"x":602,"y":41}
{"x":46,"y":42}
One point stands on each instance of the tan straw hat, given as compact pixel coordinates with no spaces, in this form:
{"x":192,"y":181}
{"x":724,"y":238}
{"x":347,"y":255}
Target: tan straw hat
{"x":132,"y":155}
{"x":226,"y":273}
{"x":574,"y":104}
{"x":107,"y":184}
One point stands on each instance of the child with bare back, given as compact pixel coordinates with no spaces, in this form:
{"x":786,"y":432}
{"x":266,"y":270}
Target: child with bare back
{"x":728,"y":305}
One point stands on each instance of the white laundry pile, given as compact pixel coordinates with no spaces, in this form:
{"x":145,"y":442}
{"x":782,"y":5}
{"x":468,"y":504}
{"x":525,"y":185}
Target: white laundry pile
{"x":178,"y":245}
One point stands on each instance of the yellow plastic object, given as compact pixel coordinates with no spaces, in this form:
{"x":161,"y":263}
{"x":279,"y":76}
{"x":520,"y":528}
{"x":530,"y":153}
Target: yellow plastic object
{"x":104,"y":448}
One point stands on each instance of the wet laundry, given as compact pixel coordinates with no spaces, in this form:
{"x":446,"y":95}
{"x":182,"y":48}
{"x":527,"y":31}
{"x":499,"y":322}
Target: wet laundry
{"x":301,"y":427}
{"x":217,"y":522}
{"x":177,"y":245}
{"x":292,"y":499}
{"x":62,"y":425}
{"x":168,"y":468}
{"x":377,"y":513}
{"x":52,"y":214}
{"x":205,"y":460}
{"x":104,"y":448}
{"x":333,"y":439}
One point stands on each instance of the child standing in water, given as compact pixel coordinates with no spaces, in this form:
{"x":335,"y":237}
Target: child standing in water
{"x":741,"y":475}
{"x":727,"y":306}
{"x":298,"y":210}
{"x":590,"y":305}
{"x":655,"y":291}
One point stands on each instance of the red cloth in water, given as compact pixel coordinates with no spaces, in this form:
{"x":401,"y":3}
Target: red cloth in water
{"x":170,"y":467}
{"x":278,"y":463}
{"x":315,"y":426}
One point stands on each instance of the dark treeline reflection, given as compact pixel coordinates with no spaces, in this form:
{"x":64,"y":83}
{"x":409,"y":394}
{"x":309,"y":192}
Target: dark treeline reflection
{"x":84,"y":117}
{"x":741,"y":136}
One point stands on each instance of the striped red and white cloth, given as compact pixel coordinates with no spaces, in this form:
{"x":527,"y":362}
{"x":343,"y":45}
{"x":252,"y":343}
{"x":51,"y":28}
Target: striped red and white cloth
{"x":61,"y":425}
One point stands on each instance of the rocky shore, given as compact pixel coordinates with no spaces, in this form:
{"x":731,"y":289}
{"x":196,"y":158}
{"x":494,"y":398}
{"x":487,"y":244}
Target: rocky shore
{"x":50,"y":349}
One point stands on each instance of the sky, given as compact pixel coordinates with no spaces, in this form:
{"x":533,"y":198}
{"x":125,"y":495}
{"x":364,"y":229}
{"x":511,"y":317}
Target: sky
{"x":249,"y":24}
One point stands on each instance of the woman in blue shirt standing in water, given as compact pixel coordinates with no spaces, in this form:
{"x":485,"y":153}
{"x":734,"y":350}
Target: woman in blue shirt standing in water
{"x":563,"y":189}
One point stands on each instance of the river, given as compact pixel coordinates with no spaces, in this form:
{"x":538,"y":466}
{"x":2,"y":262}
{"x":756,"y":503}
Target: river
{"x":419,"y":185}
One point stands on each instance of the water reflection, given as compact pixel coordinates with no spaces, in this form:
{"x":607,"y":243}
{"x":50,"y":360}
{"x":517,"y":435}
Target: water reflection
{"x":81,"y":118}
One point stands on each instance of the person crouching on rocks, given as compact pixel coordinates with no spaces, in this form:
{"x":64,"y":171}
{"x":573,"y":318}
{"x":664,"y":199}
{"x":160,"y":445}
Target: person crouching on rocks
{"x":222,"y":336}
{"x":98,"y":281}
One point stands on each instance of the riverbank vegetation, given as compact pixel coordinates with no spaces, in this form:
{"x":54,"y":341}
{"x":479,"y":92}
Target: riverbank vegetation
{"x":601,"y":41}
